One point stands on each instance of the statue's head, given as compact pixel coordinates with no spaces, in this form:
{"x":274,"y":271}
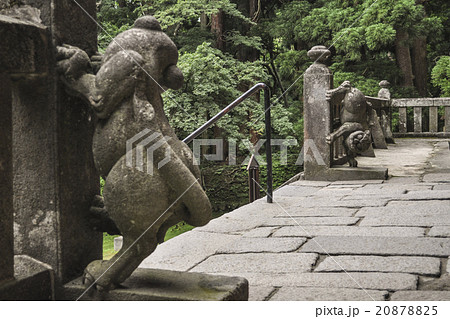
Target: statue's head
{"x":158,"y":50}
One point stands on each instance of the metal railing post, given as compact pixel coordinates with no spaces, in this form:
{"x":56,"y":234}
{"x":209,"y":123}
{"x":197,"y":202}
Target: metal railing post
{"x":239,"y":100}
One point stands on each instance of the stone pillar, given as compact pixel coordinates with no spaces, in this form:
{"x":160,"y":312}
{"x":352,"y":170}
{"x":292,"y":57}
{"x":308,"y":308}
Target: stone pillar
{"x":317,"y":112}
{"x":54,"y":174}
{"x":386,"y":117}
{"x":6,"y":182}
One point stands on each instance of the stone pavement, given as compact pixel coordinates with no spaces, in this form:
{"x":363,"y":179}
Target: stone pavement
{"x":350,"y":240}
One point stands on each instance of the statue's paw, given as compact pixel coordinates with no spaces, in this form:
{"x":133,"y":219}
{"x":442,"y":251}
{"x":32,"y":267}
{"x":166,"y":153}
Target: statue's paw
{"x":72,"y":61}
{"x":96,"y":275}
{"x":99,"y":218}
{"x":352,"y":162}
{"x":329,"y":139}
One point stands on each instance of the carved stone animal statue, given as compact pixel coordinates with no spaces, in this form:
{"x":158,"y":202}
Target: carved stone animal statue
{"x":126,"y":97}
{"x":356,"y":119}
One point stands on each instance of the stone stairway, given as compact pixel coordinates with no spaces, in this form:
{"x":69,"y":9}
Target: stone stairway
{"x":350,"y":240}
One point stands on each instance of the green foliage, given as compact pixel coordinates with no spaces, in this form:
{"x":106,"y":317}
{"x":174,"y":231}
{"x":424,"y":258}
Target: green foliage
{"x":212,"y":81}
{"x":441,"y":75}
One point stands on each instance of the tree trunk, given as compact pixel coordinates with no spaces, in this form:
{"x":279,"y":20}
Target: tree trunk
{"x":203,"y":21}
{"x":419,"y":51}
{"x":404,"y":57}
{"x":217,"y":29}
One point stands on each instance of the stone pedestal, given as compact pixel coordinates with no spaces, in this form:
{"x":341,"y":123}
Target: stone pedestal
{"x":34,"y":281}
{"x":155,"y":284}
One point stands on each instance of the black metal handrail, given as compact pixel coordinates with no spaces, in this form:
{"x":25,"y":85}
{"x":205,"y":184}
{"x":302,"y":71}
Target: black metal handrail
{"x":239,"y":100}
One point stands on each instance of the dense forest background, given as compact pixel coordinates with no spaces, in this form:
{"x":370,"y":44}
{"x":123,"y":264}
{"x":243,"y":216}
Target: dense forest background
{"x":227,"y":46}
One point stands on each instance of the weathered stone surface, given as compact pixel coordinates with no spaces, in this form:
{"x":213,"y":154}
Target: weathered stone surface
{"x":317,"y":116}
{"x":401,"y":246}
{"x":406,"y":220}
{"x":318,"y":212}
{"x":313,"y":231}
{"x":317,"y":201}
{"x":441,"y":187}
{"x":262,"y":263}
{"x":297,"y":191}
{"x":259,"y":293}
{"x":256,"y":245}
{"x":437,"y":177}
{"x":402,"y":180}
{"x":424,"y":195}
{"x":262,"y":232}
{"x":187,"y":250}
{"x":421,"y":296}
{"x":414,"y":208}
{"x":6,"y":182}
{"x":162,"y":285}
{"x":229,"y":225}
{"x":34,"y":281}
{"x":310,"y":183}
{"x":439,"y":231}
{"x":376,"y":281}
{"x":360,"y":183}
{"x":414,"y":265}
{"x":27,"y":49}
{"x":302,"y":221}
{"x":380,"y":191}
{"x":327,"y":294}
{"x":54,"y":174}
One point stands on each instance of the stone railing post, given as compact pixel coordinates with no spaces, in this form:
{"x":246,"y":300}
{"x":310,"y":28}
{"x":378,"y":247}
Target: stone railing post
{"x":6,"y":184}
{"x":318,"y":79}
{"x":386,"y":118}
{"x":54,"y":177}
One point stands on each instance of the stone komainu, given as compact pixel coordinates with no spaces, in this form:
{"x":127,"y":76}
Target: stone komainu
{"x":126,"y":97}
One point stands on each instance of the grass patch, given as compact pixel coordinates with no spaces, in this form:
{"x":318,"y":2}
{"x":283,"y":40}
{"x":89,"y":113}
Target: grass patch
{"x":108,"y":240}
{"x":108,"y":246}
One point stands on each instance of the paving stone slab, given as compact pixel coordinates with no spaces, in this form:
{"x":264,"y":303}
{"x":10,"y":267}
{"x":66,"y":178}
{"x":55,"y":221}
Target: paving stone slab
{"x":359,"y":280}
{"x":441,"y":187}
{"x":414,"y":265}
{"x":360,"y":182}
{"x":301,"y":221}
{"x":313,"y":231}
{"x":260,"y":232}
{"x":406,"y":220}
{"x":327,"y":294}
{"x":296,"y":211}
{"x":379,"y":192}
{"x":334,"y":191}
{"x":261,"y":263}
{"x":414,"y":208}
{"x":402,"y":180}
{"x":297,"y":191}
{"x":420,"y":295}
{"x":187,"y":250}
{"x":310,"y":183}
{"x":383,"y":246}
{"x":259,"y":293}
{"x":316,"y":201}
{"x":318,"y":212}
{"x":230,"y":225}
{"x":424,"y":195}
{"x":439,"y":231}
{"x":437,"y":177}
{"x":259,"y":245}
